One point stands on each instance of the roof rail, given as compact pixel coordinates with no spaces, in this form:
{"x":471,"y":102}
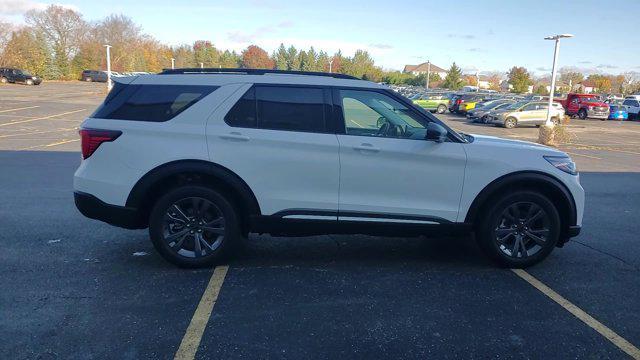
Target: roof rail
{"x":252,"y":72}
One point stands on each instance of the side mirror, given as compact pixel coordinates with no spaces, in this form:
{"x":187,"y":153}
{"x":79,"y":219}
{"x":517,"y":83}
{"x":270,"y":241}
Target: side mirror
{"x":435,"y":132}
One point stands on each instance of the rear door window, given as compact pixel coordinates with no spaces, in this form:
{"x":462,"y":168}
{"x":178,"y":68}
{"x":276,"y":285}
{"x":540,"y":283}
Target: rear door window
{"x":156,"y":103}
{"x":280,"y":108}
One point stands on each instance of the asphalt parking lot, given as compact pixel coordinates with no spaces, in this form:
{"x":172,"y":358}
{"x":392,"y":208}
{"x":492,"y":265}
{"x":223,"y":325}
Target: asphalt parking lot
{"x":74,"y":288}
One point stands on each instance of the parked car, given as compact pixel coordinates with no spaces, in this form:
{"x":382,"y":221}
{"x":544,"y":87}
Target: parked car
{"x":94,"y":75}
{"x":432,"y":102}
{"x":17,"y":76}
{"x":585,"y":106}
{"x":240,"y":145}
{"x":617,"y":111}
{"x":479,"y":114}
{"x":526,"y":113}
{"x":632,"y":104}
{"x":457,"y":106}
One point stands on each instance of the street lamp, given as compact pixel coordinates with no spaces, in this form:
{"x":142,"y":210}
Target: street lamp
{"x":553,"y":72}
{"x":428,"y":72}
{"x":330,"y":64}
{"x":109,"y":84}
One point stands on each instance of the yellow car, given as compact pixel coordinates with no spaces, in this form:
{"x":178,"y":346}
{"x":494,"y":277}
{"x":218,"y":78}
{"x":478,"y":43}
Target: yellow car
{"x":468,"y":106}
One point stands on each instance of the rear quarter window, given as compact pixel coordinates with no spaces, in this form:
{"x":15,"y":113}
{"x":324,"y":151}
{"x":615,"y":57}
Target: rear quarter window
{"x":155,"y":103}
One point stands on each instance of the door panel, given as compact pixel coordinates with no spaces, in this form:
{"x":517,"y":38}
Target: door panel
{"x":285,"y":169}
{"x":387,"y":166}
{"x":400,"y":176}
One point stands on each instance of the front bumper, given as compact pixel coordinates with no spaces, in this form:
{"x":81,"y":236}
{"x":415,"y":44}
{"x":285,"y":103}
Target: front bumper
{"x":121,"y":216}
{"x":597,"y":114}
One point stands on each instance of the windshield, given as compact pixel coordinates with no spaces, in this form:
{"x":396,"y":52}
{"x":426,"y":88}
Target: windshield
{"x":516,"y":106}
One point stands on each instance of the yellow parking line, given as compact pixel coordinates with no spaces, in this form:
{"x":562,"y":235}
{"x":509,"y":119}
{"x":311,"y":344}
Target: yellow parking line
{"x":41,"y":118}
{"x":191,"y":340}
{"x":50,"y":145}
{"x":587,"y":156}
{"x":22,"y":108}
{"x":609,"y":334}
{"x":37,"y":132}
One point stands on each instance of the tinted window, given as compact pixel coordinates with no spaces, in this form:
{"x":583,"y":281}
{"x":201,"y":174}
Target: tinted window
{"x":150,"y":102}
{"x":290,"y":108}
{"x":280,"y":108}
{"x":243,"y":113}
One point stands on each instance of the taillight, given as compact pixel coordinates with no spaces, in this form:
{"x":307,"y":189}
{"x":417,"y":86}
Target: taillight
{"x":92,"y":138}
{"x":459,"y":101}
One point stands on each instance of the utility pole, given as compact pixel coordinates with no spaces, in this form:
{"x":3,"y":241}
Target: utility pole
{"x":173,"y":63}
{"x":109,"y":84}
{"x":478,"y":80}
{"x":330,"y":64}
{"x":428,"y":72}
{"x":201,"y":65}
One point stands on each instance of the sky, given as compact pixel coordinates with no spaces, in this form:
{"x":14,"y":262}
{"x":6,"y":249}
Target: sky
{"x":489,"y":35}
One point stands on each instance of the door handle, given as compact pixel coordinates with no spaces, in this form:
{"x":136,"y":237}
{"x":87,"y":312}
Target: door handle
{"x":234,"y":136}
{"x":366,"y":147}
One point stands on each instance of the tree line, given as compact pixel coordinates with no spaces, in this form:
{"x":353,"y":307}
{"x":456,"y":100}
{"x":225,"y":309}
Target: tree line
{"x":57,"y":43}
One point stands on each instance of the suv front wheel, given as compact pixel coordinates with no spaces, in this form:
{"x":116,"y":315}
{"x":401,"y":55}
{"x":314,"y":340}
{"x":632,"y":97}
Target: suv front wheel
{"x":519,"y":230}
{"x":193,"y":226}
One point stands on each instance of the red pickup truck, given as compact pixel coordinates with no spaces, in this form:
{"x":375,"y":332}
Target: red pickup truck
{"x":585,"y":105}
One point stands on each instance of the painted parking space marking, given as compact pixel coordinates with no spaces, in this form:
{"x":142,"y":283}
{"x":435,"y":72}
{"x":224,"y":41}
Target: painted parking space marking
{"x":18,"y":109}
{"x":193,"y":335}
{"x":596,"y":325}
{"x":37,"y":132}
{"x":50,"y":145}
{"x":42,"y":118}
{"x":587,"y":156}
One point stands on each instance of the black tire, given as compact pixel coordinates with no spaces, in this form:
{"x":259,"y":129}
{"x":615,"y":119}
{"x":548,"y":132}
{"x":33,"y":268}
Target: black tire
{"x":441,"y":109}
{"x":484,"y":119}
{"x":492,"y":224}
{"x":582,"y":114}
{"x":184,"y":252}
{"x":510,"y":122}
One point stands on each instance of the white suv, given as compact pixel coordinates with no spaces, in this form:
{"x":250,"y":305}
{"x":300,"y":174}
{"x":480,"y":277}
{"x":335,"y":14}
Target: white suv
{"x":205,"y":157}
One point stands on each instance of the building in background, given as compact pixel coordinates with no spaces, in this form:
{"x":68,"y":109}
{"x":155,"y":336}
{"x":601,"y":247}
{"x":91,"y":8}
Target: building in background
{"x":423,"y":68}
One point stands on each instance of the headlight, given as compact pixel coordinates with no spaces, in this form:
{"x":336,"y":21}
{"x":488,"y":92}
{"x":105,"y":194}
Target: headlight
{"x":563,"y":163}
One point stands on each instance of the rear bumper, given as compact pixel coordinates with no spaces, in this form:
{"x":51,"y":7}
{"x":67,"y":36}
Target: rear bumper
{"x":94,"y":208}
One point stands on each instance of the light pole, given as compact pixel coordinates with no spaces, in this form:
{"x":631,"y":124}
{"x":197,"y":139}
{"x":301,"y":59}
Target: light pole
{"x":201,"y":65}
{"x":428,"y":72}
{"x":478,"y":81}
{"x":109,"y":84}
{"x":330,"y":64}
{"x":557,"y":38}
{"x":173,"y":63}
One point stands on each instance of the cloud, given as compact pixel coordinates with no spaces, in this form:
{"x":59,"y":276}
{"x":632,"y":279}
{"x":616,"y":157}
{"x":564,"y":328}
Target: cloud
{"x":461,"y":36}
{"x":243,"y":37}
{"x":381,"y":46}
{"x":607,"y":66}
{"x":542,"y":68}
{"x":477,"y":50}
{"x":585,"y":62}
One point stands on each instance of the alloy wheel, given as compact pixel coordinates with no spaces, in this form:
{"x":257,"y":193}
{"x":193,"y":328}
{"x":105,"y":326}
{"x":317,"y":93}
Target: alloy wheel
{"x":194,"y":227}
{"x":522,"y":230}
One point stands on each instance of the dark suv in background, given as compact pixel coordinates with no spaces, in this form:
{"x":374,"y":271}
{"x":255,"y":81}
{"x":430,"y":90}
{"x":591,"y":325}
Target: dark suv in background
{"x":94,"y":75}
{"x":12,"y":75}
{"x":456,"y":100}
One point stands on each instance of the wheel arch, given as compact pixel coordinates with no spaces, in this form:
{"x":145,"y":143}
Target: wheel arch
{"x":197,"y":172}
{"x":547,"y":184}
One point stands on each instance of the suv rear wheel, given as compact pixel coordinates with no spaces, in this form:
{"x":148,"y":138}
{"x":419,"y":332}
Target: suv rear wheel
{"x":194,"y":226}
{"x":519,"y":230}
